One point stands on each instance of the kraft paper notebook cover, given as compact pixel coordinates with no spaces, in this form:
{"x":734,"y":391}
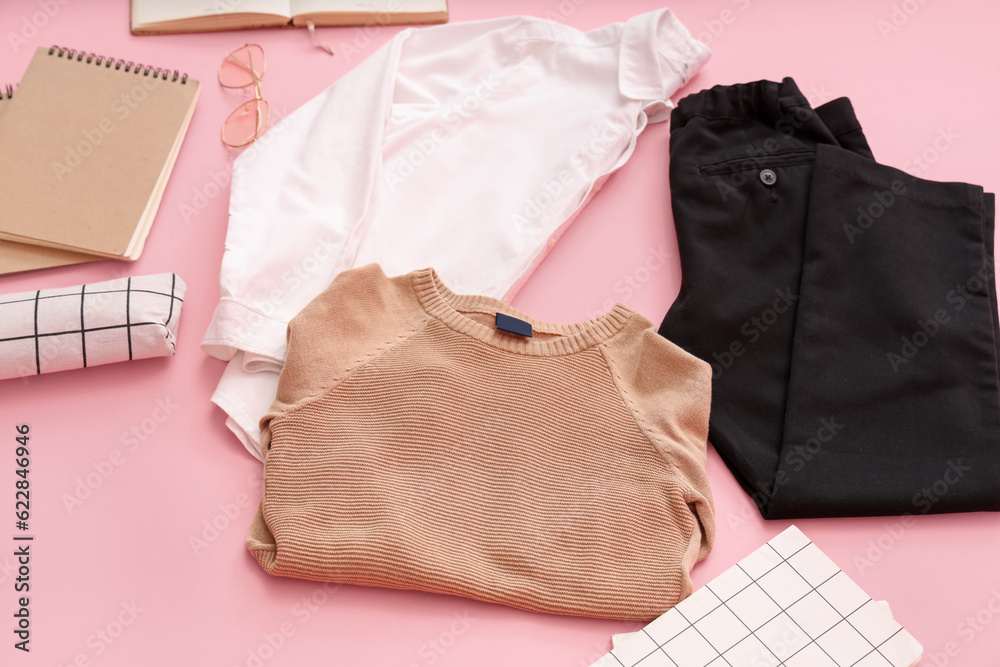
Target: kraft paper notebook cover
{"x":87,"y":144}
{"x":18,"y":257}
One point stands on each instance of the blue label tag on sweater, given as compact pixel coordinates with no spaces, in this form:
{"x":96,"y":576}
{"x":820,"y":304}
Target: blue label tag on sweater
{"x":513,"y":325}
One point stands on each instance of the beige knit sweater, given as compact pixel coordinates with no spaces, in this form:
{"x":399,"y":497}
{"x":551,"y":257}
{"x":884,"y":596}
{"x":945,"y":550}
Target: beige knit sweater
{"x":413,"y":445}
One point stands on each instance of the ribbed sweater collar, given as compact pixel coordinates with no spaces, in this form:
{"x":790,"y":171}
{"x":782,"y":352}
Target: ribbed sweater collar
{"x":450,"y":308}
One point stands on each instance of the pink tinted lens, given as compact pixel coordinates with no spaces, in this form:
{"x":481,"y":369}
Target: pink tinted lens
{"x":239,"y":67}
{"x":246,"y":124}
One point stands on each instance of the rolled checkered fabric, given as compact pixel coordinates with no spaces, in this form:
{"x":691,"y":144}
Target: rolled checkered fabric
{"x":87,"y":325}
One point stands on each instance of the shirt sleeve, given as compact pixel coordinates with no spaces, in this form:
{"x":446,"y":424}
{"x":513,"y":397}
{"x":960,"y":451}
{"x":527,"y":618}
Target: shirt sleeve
{"x":298,"y":195}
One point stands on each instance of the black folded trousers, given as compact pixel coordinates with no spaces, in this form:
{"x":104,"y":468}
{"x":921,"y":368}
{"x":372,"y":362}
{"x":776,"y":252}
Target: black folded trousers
{"x":848,"y":310}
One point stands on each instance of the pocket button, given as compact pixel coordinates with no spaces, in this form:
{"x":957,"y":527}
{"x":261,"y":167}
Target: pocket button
{"x":768,"y":177}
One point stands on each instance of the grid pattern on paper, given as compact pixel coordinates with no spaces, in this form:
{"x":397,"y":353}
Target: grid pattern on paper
{"x":786,"y":604}
{"x":86,"y":324}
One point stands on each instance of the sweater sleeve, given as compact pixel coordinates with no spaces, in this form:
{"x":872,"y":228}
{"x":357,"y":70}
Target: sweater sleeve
{"x":361,"y":314}
{"x":669,"y":392}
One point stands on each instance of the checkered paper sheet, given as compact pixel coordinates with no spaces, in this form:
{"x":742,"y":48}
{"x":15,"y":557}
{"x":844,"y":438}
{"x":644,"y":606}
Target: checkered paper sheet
{"x":785,"y":604}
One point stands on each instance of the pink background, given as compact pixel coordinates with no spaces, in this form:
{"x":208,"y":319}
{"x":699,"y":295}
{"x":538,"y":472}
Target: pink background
{"x":116,"y":578}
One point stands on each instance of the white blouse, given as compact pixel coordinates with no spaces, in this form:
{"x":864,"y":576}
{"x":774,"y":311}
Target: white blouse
{"x":468,"y":147}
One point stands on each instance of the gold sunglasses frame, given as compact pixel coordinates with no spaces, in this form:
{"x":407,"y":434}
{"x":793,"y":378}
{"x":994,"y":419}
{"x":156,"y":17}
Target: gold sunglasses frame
{"x":263,"y":120}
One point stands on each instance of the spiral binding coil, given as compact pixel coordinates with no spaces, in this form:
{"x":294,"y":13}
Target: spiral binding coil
{"x":128,"y":66}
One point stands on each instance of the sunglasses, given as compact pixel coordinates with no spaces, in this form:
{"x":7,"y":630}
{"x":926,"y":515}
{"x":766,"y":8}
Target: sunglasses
{"x":243,"y":68}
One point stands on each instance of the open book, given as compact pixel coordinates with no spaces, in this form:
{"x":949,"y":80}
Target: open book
{"x":161,"y":16}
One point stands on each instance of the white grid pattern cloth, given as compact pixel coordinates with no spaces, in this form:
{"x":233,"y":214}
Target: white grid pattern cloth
{"x":74,"y":327}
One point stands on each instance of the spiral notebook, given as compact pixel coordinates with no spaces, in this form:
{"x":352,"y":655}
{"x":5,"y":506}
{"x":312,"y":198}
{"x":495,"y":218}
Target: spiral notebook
{"x":87,"y":144}
{"x":17,"y":257}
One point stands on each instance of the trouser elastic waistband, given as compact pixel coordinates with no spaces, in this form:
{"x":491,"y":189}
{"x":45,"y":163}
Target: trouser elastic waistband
{"x":769,"y":102}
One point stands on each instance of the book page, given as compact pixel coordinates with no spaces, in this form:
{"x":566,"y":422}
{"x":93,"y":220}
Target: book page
{"x":146,"y":12}
{"x":300,"y":7}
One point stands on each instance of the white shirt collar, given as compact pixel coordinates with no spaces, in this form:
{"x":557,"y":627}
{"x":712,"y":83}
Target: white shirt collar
{"x":657,"y":56}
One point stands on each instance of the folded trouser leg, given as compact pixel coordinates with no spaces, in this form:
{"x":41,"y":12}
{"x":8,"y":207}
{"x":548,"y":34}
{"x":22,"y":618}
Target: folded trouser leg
{"x":838,"y":116}
{"x":740,"y":241}
{"x":848,"y":310}
{"x":892,"y":404}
